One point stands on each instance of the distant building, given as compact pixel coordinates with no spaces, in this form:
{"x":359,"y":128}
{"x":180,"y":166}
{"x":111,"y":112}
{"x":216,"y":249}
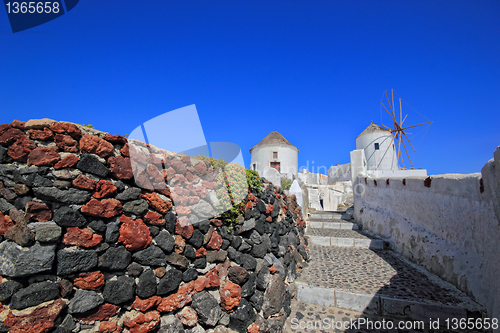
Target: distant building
{"x":274,"y":151}
{"x":378,"y":146}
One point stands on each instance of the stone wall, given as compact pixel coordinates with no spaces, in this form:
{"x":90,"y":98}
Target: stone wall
{"x":448,"y":223}
{"x":92,"y":242}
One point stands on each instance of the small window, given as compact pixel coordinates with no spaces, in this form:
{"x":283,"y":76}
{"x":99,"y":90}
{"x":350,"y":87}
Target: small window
{"x":254,"y":168}
{"x":377,"y":146}
{"x":275,"y":154}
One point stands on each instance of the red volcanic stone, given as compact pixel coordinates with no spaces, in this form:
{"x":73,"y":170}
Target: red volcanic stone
{"x":273,"y":269}
{"x":18,"y":124}
{"x":230,"y":296}
{"x":160,"y":272}
{"x":84,"y":183}
{"x":143,"y":323}
{"x":153,"y":171}
{"x":95,"y":145}
{"x":125,"y":151}
{"x":157,"y":203}
{"x":36,"y":211}
{"x":201,"y":283}
{"x":109,"y":327}
{"x":154,"y":218}
{"x":215,"y":241}
{"x":201,"y":252}
{"x":249,"y":205}
{"x":254,"y":328}
{"x":104,"y":312}
{"x":269,"y":209}
{"x":81,"y":237}
{"x":115,"y":138}
{"x":179,"y":166}
{"x":145,"y":304}
{"x":67,"y":162}
{"x":179,"y":299}
{"x":170,"y":173}
{"x":180,"y":244}
{"x":43,"y":156}
{"x":10,"y":135}
{"x":213,"y":278}
{"x":269,"y":219}
{"x":5,"y":223}
{"x":66,"y":143}
{"x":183,"y":227}
{"x":187,"y":316}
{"x":216,"y":222}
{"x":103,"y":208}
{"x":134,"y":234}
{"x":104,"y":189}
{"x":208,"y":185}
{"x":40,"y":320}
{"x":200,"y":169}
{"x":21,"y":149}
{"x":43,"y":135}
{"x":182,"y":210}
{"x":186,"y":160}
{"x":90,"y":281}
{"x":3,"y":128}
{"x":201,"y":192}
{"x":121,"y":167}
{"x":65,"y":128}
{"x":66,"y":288}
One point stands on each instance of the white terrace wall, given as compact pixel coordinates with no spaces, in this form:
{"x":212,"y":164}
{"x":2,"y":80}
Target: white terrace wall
{"x":452,"y":227}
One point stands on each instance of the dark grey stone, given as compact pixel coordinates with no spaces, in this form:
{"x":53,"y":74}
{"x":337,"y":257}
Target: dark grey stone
{"x":236,"y":243}
{"x":136,"y":207}
{"x":119,"y":291}
{"x":216,"y":256}
{"x":248,"y":225}
{"x":170,"y":220}
{"x":91,"y":164}
{"x":169,"y":282}
{"x":200,"y":263}
{"x":134,"y":269}
{"x":245,"y":247}
{"x":112,"y":231}
{"x":263,"y":278}
{"x":196,"y":239}
{"x":68,"y":217}
{"x":115,"y":259}
{"x":261,"y":206}
{"x":275,"y":211}
{"x":130,"y":193}
{"x":257,"y":300}
{"x":153,"y":230}
{"x":274,"y":296}
{"x":39,"y":181}
{"x":34,"y":294}
{"x":84,"y":300}
{"x":248,"y":289}
{"x":69,"y":197}
{"x":7,"y":289}
{"x":62,"y":184}
{"x":46,"y":232}
{"x":238,"y":275}
{"x":242,"y":317}
{"x":189,"y":274}
{"x":147,"y":284}
{"x":260,"y":250}
{"x":74,"y":259}
{"x":18,"y":261}
{"x":150,"y":256}
{"x":233,"y":255}
{"x":247,"y":261}
{"x":177,"y":260}
{"x":5,"y":206}
{"x":189,"y":252}
{"x":207,"y":308}
{"x":97,"y":226}
{"x":203,"y":226}
{"x":165,"y":241}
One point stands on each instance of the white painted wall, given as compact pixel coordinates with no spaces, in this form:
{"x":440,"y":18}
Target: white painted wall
{"x":262,"y":156}
{"x":382,"y":159}
{"x":451,"y":227}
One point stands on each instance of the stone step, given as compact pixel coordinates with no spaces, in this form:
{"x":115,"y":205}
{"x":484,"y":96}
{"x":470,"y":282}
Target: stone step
{"x":380,"y":283}
{"x":333,"y":224}
{"x":343,"y":238}
{"x":325,"y":216}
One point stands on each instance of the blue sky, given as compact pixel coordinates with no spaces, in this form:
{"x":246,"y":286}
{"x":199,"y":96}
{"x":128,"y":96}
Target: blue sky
{"x":315,"y":71}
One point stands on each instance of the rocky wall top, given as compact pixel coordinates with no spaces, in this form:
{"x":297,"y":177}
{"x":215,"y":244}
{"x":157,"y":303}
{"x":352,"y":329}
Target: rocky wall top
{"x":92,"y":240}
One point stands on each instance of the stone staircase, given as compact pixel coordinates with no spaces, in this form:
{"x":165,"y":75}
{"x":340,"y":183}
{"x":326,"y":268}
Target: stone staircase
{"x":353,"y":275}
